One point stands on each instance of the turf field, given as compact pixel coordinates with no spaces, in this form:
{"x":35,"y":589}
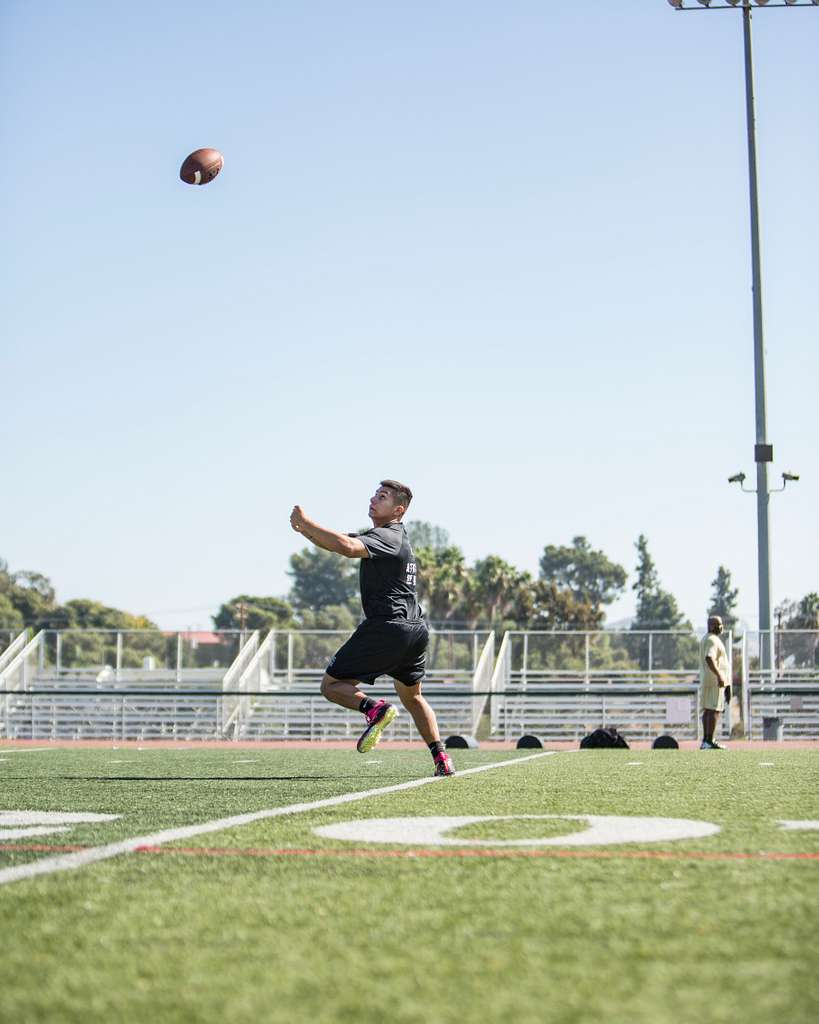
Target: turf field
{"x":266,"y":920}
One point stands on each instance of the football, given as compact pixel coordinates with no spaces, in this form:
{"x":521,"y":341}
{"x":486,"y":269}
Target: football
{"x":201,"y":166}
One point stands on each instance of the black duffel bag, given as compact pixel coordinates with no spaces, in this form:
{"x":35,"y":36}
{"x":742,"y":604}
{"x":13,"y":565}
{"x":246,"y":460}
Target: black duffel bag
{"x":603,"y":738}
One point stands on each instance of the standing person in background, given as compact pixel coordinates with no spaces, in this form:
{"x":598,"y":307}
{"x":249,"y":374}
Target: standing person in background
{"x":713,"y":681}
{"x":392,"y":640}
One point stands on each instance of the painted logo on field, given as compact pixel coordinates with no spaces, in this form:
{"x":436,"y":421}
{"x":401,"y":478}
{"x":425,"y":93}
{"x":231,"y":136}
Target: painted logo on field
{"x":22,"y":824}
{"x":602,"y":830}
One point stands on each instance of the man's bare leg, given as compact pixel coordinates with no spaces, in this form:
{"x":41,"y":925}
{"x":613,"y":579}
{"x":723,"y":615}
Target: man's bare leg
{"x":345,"y":692}
{"x":422,"y":714}
{"x":709,"y":724}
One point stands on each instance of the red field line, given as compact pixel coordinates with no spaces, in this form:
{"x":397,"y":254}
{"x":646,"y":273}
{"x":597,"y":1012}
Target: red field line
{"x":229,"y":851}
{"x":205,"y":851}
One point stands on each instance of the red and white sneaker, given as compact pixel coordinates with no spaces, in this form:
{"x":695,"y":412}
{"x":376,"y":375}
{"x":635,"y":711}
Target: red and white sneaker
{"x":378,"y":718}
{"x":443,"y":764}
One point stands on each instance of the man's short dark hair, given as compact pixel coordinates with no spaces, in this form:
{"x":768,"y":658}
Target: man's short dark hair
{"x":403,"y":495}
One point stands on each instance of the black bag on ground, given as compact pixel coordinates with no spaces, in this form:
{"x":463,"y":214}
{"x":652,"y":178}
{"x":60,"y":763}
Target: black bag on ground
{"x":603,"y":738}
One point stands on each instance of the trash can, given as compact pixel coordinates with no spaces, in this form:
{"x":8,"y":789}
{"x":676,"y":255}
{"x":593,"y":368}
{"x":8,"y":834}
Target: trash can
{"x":772,"y":729}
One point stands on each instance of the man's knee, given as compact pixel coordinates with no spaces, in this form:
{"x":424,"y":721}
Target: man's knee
{"x":410,"y":694}
{"x":327,"y":684}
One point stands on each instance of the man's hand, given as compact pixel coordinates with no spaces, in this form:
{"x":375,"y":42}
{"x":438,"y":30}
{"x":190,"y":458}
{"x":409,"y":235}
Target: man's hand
{"x":298,"y":520}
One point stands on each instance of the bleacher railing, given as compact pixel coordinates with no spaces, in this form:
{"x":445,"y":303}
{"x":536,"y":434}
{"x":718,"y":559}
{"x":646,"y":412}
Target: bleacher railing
{"x":560,"y":685}
{"x":127,"y":652}
{"x":102,"y":684}
{"x":780,"y":682}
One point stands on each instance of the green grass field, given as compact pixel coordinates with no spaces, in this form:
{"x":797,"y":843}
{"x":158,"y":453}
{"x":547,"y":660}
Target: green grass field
{"x":268,"y":921}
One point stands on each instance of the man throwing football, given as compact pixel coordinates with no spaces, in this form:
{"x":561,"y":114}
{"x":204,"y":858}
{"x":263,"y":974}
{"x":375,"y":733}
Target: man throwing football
{"x":392,"y":640}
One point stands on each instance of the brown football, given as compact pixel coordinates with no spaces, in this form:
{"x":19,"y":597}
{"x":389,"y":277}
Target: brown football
{"x":201,"y":166}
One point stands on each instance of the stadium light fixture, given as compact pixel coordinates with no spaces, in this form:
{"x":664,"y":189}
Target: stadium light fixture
{"x":790,"y":476}
{"x":747,"y":5}
{"x":763,"y":450}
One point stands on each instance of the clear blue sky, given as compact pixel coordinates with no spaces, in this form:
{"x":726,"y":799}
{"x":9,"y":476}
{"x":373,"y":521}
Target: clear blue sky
{"x":497,"y":250}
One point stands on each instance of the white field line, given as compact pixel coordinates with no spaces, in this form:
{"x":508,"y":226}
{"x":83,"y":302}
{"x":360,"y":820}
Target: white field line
{"x":71,"y":861}
{"x":24,"y":750}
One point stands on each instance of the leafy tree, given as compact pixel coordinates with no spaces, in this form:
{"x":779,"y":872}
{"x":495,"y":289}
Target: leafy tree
{"x":588,"y":575}
{"x":82,"y":613}
{"x":321,"y":578}
{"x":657,"y":609}
{"x":442,"y":582}
{"x":427,"y":535}
{"x":10,"y":617}
{"x":249,"y":612}
{"x":801,"y":648}
{"x":492,"y":591}
{"x":83,"y":649}
{"x":29,"y":593}
{"x":723,"y":598}
{"x":803,"y":614}
{"x":334,"y":616}
{"x":556,"y":608}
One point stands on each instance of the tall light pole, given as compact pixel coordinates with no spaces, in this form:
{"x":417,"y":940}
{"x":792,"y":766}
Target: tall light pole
{"x":763,"y":450}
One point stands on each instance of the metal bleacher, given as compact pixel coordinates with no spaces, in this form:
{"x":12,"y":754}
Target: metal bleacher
{"x":150,"y":685}
{"x":282,"y":698}
{"x":117,"y":685}
{"x":562,"y":685}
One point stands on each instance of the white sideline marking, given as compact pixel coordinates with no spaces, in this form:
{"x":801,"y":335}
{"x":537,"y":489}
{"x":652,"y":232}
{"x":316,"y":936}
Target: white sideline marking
{"x":43,"y":823}
{"x":799,"y":826}
{"x":25,"y":750}
{"x":71,"y":861}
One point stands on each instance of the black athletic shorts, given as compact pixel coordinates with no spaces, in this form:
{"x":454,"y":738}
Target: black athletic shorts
{"x":383,"y":647}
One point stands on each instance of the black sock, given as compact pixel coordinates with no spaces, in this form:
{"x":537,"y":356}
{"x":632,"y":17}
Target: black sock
{"x":366,"y":705}
{"x":436,"y":748}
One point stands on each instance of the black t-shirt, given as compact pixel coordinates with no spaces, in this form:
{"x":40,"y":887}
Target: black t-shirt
{"x":388,"y":577}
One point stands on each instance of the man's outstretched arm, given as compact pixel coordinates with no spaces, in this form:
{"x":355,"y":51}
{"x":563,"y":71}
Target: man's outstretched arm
{"x":329,"y":540}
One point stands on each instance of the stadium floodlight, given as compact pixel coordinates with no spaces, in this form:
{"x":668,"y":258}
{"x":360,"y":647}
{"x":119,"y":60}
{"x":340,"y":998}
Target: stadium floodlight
{"x":790,"y":476}
{"x":763,"y":449}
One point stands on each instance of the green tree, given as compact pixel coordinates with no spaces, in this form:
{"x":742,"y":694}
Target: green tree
{"x":321,"y":578}
{"x":92,"y":639}
{"x":10,"y":617}
{"x":334,"y":616}
{"x":427,"y":535}
{"x":556,"y":608}
{"x":723,"y":598}
{"x":588,"y":575}
{"x":29,"y":593}
{"x":442,"y":582}
{"x":492,"y":591}
{"x":657,"y":609}
{"x":252,"y":612}
{"x":801,"y":647}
